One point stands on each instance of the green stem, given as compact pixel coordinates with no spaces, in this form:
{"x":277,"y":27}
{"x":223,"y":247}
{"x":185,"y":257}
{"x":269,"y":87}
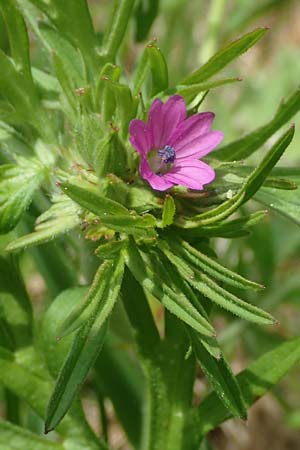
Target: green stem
{"x":179,"y":371}
{"x":169,"y":375}
{"x":114,"y":35}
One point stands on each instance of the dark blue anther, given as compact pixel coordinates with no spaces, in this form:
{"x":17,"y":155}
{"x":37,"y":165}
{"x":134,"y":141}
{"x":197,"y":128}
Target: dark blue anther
{"x":167,"y":154}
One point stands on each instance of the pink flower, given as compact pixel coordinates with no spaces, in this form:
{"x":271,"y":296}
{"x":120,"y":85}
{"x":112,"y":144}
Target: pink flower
{"x":170,"y":145}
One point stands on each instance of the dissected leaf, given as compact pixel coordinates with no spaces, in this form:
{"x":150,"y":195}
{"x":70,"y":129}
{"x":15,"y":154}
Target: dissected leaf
{"x":17,"y":186}
{"x":60,"y":218}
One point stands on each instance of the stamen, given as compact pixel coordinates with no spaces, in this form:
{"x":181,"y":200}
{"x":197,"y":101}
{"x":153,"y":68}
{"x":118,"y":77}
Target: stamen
{"x":167,"y":154}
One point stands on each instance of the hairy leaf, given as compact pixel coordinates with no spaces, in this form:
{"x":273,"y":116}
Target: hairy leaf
{"x":84,"y":351}
{"x":60,"y":218}
{"x":17,"y":187}
{"x":254,"y":382}
{"x":220,"y":376}
{"x":206,"y":264}
{"x":175,"y":302}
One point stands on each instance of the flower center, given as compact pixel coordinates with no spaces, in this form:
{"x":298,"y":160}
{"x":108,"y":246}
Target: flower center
{"x":167,"y":154}
{"x":162,"y":160}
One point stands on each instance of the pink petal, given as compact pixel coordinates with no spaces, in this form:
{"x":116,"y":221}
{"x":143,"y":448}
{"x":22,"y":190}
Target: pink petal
{"x":191,"y":128}
{"x":199,"y":146}
{"x":164,"y":118}
{"x":140,"y":136}
{"x":156,"y":182}
{"x":191,"y":173}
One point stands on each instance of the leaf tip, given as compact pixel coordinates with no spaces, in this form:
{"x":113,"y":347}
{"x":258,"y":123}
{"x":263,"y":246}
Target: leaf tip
{"x":47,"y":429}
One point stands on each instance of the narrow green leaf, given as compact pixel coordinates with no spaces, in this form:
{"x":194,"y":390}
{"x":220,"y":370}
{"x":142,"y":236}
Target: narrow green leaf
{"x":218,"y":295}
{"x":108,"y":250}
{"x":280,"y":183}
{"x":111,"y":156}
{"x":254,"y":382}
{"x":134,"y":221}
{"x":220,"y":376}
{"x":232,"y":303}
{"x":190,"y":92}
{"x":225,"y":56}
{"x":67,"y":86}
{"x":46,"y":82}
{"x":140,"y":72}
{"x":116,"y":28}
{"x":35,"y":393}
{"x":126,"y":106}
{"x":42,"y":236}
{"x":173,"y":278}
{"x":84,"y":351}
{"x":258,"y":176}
{"x":14,"y":437}
{"x":54,"y":349}
{"x":158,"y":67}
{"x":87,"y":196}
{"x":108,"y":99}
{"x":112,"y":214}
{"x":84,"y":309}
{"x":168,"y":211}
{"x":213,"y":215}
{"x":206,"y":264}
{"x":17,"y":186}
{"x":176,"y":303}
{"x":244,"y":147}
{"x":232,"y":228}
{"x":60,"y":218}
